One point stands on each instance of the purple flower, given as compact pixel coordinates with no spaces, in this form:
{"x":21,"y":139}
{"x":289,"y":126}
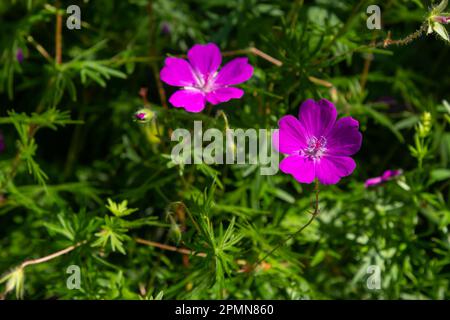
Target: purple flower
{"x":19,"y":55}
{"x":373,"y":182}
{"x":317,"y":145}
{"x":2,"y":143}
{"x":200,"y":79}
{"x":166,"y":28}
{"x":387,"y":175}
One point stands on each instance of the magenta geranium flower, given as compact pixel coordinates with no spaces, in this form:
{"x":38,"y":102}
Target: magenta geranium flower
{"x":200,"y":79}
{"x":387,"y":175}
{"x":318,"y":146}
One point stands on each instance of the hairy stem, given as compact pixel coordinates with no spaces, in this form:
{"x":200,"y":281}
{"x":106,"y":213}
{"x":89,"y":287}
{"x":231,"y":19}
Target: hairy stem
{"x":403,"y":41}
{"x":383,"y":43}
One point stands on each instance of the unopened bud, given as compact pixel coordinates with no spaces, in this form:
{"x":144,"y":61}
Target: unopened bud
{"x":144,"y":115}
{"x":424,"y":127}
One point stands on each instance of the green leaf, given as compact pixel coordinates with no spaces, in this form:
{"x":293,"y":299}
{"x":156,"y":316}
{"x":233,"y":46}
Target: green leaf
{"x":121,"y":209}
{"x":437,"y":175}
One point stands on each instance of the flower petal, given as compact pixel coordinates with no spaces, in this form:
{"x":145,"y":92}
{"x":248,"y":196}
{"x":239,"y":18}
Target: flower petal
{"x":331,"y":169}
{"x":205,"y":59}
{"x":191,"y":100}
{"x":300,"y":167}
{"x":344,"y":139}
{"x":234,"y":72}
{"x":291,"y":136}
{"x":177,"y":72}
{"x":318,"y":117}
{"x":224,"y":94}
{"x":276,"y":139}
{"x":389,"y":174}
{"x":373,"y":182}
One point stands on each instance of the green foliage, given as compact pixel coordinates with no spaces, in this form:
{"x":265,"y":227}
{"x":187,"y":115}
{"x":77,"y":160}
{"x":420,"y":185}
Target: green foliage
{"x":82,"y":183}
{"x":119,"y":210}
{"x":112,"y":232}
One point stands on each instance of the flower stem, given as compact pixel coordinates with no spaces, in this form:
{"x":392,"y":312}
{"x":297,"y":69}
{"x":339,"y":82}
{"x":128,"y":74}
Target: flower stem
{"x":383,"y":43}
{"x":404,"y":41}
{"x":313,"y":216}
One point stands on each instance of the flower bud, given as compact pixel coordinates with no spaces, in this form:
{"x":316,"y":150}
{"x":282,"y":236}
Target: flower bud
{"x":442,"y":19}
{"x":144,"y":115}
{"x":424,"y":127}
{"x":19,"y":55}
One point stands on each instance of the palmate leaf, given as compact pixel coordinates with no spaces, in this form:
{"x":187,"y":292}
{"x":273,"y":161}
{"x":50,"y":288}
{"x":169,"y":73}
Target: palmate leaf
{"x":74,"y":226}
{"x":119,"y":209}
{"x":94,"y":70}
{"x":63,"y":227}
{"x":27,"y":153}
{"x":112,"y":232}
{"x":51,"y":118}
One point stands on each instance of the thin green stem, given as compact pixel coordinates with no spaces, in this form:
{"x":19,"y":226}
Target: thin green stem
{"x":296,"y":233}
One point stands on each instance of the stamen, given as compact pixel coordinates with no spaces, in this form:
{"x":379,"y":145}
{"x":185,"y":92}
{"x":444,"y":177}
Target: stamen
{"x":316,"y":148}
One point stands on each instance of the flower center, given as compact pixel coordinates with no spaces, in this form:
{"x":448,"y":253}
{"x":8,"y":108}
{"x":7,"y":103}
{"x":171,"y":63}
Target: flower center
{"x":316,"y":148}
{"x":205,"y":83}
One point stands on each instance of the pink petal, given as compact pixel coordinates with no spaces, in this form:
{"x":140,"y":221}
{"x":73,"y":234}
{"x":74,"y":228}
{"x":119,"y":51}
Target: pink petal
{"x":373,"y":182}
{"x":301,"y":168}
{"x":177,"y":72}
{"x":389,"y":174}
{"x":205,"y":59}
{"x":344,"y":139}
{"x":224,"y":94}
{"x":331,"y":169}
{"x":318,"y":117}
{"x":191,"y":100}
{"x":234,"y":72}
{"x":291,"y":136}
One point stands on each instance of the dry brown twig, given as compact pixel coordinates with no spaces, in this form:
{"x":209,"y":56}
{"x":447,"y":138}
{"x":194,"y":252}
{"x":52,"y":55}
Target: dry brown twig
{"x":169,"y":248}
{"x":52,"y":256}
